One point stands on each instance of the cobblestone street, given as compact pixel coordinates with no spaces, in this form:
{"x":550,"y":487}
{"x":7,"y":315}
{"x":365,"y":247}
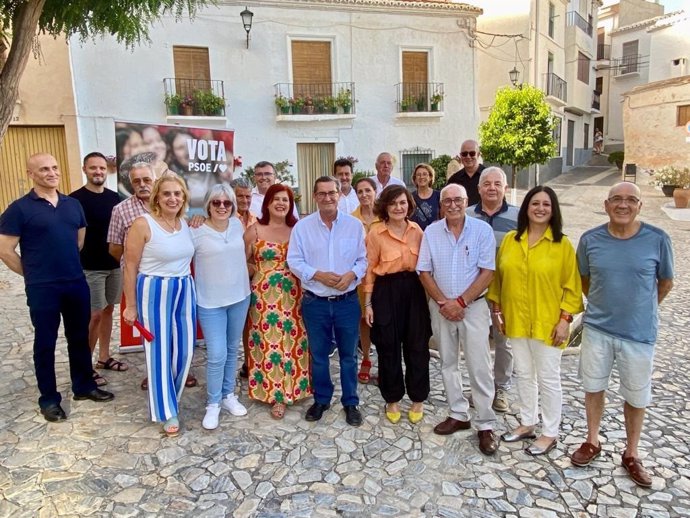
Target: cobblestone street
{"x":109,"y":460}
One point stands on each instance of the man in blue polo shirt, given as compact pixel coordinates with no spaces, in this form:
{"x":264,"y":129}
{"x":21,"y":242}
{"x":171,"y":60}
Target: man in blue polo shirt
{"x":495,"y":210}
{"x":49,"y":228}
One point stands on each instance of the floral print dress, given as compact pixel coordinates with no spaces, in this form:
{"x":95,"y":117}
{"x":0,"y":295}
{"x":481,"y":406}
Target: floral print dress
{"x":279,"y":368}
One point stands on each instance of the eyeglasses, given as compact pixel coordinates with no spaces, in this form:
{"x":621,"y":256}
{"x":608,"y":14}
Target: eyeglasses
{"x":263,"y":175}
{"x":324,"y":195}
{"x":465,"y":154}
{"x":447,"y":202}
{"x":620,"y":200}
{"x":225,"y":203}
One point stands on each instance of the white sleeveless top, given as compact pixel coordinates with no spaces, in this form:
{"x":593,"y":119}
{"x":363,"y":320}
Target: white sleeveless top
{"x":166,"y":254}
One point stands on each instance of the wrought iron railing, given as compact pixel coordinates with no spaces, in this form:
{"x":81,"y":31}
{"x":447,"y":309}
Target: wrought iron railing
{"x":603,"y":51}
{"x":555,"y":86}
{"x":574,"y":18}
{"x":596,"y":100}
{"x":314,"y":98}
{"x":626,"y":64}
{"x":419,"y":97}
{"x":194,"y":96}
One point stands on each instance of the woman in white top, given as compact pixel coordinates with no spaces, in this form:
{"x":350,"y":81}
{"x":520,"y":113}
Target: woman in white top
{"x":222,"y":288}
{"x":159,"y":291}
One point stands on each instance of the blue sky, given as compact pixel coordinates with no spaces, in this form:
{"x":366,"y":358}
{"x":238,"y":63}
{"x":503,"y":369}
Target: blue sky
{"x":675,"y":5}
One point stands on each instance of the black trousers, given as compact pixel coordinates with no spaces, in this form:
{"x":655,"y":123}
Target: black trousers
{"x":401,"y":330}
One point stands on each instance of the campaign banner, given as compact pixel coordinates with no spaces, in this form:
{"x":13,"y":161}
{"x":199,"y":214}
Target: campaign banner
{"x":203,"y":157}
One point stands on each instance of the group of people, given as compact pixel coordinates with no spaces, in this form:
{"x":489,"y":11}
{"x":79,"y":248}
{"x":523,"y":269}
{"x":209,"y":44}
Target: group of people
{"x":374,"y":263}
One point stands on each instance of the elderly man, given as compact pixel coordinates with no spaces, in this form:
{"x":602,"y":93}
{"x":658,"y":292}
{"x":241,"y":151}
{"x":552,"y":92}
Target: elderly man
{"x":102,"y":271}
{"x":456,"y":265}
{"x":328,"y":255}
{"x":471,"y":170}
{"x":502,"y":217}
{"x":49,"y":228}
{"x":623,"y":256}
{"x":342,"y":170}
{"x":264,"y":177}
{"x":384,"y":168}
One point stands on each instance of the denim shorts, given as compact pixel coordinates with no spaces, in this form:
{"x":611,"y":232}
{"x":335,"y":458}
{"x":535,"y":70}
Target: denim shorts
{"x":634,"y":361}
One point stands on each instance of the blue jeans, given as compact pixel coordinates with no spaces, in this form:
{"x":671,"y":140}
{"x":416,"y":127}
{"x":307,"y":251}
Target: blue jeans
{"x":222,"y":329}
{"x":324,"y":319}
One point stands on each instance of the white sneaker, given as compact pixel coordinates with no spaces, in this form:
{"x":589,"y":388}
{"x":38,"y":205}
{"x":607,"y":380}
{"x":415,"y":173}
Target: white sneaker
{"x":210,"y":421}
{"x":232,"y":405}
{"x":501,"y":401}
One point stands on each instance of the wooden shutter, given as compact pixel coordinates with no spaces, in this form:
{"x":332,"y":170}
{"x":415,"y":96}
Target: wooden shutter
{"x":311,"y":68}
{"x":582,"y":67}
{"x":683,"y":115}
{"x":415,"y":74}
{"x":192,"y":69}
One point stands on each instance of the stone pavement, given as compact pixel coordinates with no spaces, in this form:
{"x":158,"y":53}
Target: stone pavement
{"x":109,"y":460}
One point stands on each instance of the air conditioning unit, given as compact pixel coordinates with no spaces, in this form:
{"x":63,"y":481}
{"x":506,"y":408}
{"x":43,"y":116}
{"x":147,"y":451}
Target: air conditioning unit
{"x":679,"y":67}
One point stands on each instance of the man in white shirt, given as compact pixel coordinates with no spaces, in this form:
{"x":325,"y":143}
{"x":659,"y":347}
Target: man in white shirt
{"x":342,"y":170}
{"x":328,"y":255}
{"x":384,"y":168}
{"x":264,"y":177}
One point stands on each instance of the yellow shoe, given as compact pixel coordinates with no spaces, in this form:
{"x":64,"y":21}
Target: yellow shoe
{"x":415,"y":417}
{"x":393,"y":417}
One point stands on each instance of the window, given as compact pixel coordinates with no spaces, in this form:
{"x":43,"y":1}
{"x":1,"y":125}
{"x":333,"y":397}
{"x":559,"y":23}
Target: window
{"x":582,"y":67}
{"x":630,"y":57}
{"x":412,"y":157}
{"x":192,"y":70}
{"x":683,"y":115}
{"x":599,"y":85}
{"x":556,"y":134}
{"x":415,"y":77}
{"x":552,"y":21}
{"x":311,"y":68}
{"x":586,"y":145}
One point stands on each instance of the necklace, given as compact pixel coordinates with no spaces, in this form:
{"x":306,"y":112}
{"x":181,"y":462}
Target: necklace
{"x":224,"y":233}
{"x":173,"y":226}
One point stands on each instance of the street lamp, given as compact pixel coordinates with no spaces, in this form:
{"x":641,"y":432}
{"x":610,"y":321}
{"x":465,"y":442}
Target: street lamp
{"x":247,"y":16}
{"x":514,"y":76}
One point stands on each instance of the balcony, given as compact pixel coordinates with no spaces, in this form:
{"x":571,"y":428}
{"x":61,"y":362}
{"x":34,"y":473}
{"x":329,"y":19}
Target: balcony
{"x":194,"y":97}
{"x":626,"y":65}
{"x":555,"y":87}
{"x":603,"y":51}
{"x":596,"y":100}
{"x":293,"y":101}
{"x":573,"y":18}
{"x":419,"y":98}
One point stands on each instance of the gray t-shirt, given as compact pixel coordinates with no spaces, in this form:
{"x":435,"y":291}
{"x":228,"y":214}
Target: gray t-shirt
{"x":623,"y":276}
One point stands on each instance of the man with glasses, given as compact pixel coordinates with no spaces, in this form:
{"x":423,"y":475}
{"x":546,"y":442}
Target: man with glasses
{"x":468,"y":176}
{"x":456,"y":265}
{"x":384,"y":168}
{"x":328,"y":255}
{"x":631,"y":261}
{"x":264,"y":177}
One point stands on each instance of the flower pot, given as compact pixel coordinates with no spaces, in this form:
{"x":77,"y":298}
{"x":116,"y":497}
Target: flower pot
{"x":309,"y":110}
{"x":285,"y":110}
{"x":668,"y":190}
{"x":347,"y":108}
{"x":187,"y":110}
{"x":173,"y":109}
{"x":681,"y":198}
{"x":434,"y":107}
{"x":334,"y":109}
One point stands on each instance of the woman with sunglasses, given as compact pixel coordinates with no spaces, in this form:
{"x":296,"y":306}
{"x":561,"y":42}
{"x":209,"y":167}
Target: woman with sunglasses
{"x":222,"y":287}
{"x":535,"y":292}
{"x":279,"y":372}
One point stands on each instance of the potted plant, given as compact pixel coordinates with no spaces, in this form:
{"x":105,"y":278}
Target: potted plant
{"x":173,"y":101}
{"x":320,"y":105}
{"x":406,"y":103}
{"x":331,"y":104}
{"x":681,"y":194}
{"x":668,"y":178}
{"x":309,"y":105}
{"x":435,"y":101}
{"x":345,"y":100}
{"x":208,"y":103}
{"x":617,"y":157}
{"x":187,"y":105}
{"x":297,"y":104}
{"x":421,"y":103}
{"x":283,"y":104}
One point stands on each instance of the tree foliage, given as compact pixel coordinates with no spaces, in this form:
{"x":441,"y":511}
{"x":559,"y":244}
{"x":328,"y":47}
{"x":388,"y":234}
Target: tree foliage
{"x":519,"y":129}
{"x":440,"y":167}
{"x":128,"y":21}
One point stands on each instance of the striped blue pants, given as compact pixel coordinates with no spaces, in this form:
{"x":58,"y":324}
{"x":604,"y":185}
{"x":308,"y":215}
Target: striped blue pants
{"x":167,"y":307}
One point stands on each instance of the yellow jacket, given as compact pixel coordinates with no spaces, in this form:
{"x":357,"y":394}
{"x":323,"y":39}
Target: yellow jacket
{"x":533,"y":284}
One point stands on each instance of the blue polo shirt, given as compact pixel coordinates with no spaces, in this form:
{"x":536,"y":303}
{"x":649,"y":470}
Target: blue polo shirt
{"x":502,"y":221}
{"x":47,"y":237}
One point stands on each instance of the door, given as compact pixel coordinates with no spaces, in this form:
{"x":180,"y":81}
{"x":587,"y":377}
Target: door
{"x":20,"y":143}
{"x":313,"y":161}
{"x":570,"y":152}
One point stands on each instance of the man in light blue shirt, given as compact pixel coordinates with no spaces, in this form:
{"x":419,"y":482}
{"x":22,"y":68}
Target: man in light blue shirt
{"x":328,"y":255}
{"x":456,"y":265}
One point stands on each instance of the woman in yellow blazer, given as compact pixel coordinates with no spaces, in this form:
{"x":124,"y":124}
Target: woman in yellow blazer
{"x":535,"y":292}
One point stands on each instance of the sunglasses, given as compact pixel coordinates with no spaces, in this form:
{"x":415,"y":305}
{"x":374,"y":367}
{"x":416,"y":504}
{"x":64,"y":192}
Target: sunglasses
{"x":465,"y":154}
{"x":225,"y":203}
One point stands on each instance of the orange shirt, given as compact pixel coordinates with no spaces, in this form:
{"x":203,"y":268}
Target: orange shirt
{"x":387,"y":253}
{"x":246,"y":222}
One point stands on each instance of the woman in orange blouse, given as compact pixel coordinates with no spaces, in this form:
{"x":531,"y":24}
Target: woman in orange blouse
{"x":395,"y":304}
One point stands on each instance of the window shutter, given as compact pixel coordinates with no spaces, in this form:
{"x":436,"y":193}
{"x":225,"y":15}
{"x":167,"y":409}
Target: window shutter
{"x":192,"y":70}
{"x":415,"y":74}
{"x":311,"y":68}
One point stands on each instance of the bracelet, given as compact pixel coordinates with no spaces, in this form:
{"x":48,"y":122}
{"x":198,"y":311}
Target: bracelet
{"x":367,"y":304}
{"x":461,"y":301}
{"x":496,"y":312}
{"x":567,"y":318}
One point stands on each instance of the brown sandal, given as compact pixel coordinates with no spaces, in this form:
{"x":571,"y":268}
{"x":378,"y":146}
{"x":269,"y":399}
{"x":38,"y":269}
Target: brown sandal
{"x":278,"y":410}
{"x":636,"y":470}
{"x":364,"y":375}
{"x":111,"y":364}
{"x":100,"y":380}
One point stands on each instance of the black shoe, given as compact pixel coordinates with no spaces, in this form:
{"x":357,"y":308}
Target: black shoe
{"x":53,"y":413}
{"x":316,"y":411}
{"x":244,"y":371}
{"x":97,"y":395}
{"x":353,"y":416}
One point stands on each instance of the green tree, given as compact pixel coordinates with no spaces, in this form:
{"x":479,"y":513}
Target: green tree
{"x":519,"y":129}
{"x":21,"y":20}
{"x":440,"y":166}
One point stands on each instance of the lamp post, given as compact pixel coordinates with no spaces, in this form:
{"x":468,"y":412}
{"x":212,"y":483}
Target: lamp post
{"x":514,"y":76}
{"x":247,"y":16}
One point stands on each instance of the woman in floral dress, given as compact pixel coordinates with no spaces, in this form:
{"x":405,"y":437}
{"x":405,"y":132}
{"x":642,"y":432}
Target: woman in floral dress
{"x":278,"y":350}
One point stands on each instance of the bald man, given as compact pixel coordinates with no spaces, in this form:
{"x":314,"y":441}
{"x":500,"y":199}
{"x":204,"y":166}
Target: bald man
{"x":471,"y":170}
{"x":49,"y":228}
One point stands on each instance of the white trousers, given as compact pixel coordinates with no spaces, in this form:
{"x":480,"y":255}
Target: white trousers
{"x":472,"y":335}
{"x":538,"y":373}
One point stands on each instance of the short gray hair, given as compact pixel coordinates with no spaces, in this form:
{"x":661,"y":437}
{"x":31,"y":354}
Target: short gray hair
{"x":493,"y":169}
{"x":147,"y":158}
{"x":242,"y":183}
{"x":140,"y":165}
{"x":450,"y":186}
{"x":216,"y":192}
